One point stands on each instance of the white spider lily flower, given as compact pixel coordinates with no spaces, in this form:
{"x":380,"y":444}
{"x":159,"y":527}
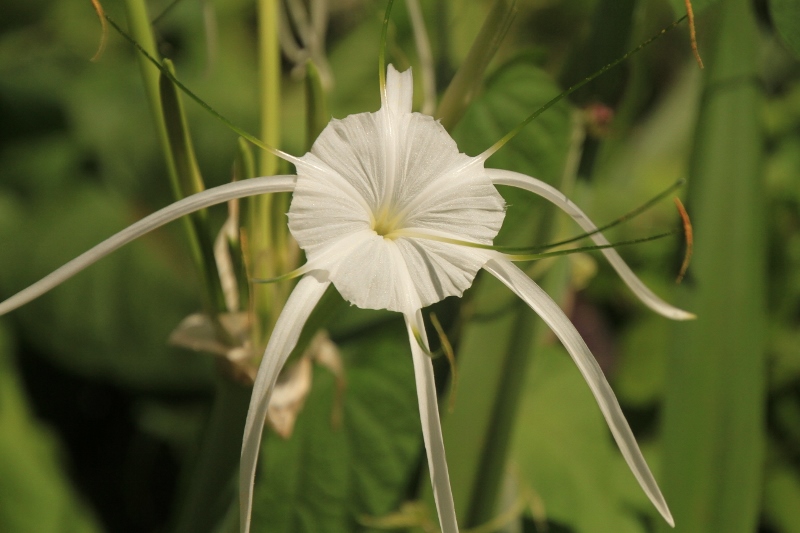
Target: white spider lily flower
{"x":385,"y":208}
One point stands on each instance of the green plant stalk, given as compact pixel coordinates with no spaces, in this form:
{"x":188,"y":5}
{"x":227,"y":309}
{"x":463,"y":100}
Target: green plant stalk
{"x":317,"y":116}
{"x":141,"y":32}
{"x":714,"y":427}
{"x":211,"y":488}
{"x":469,"y":77}
{"x":190,"y":181}
{"x":218,"y":458}
{"x":244,"y":167}
{"x":265,"y":253}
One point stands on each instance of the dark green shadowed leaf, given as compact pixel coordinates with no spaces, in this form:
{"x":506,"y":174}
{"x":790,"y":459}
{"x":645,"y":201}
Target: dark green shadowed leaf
{"x":35,"y":493}
{"x":785,"y":15}
{"x":467,"y":82}
{"x":564,"y":453}
{"x":713,"y":413}
{"x":112,"y":321}
{"x":324,"y":478}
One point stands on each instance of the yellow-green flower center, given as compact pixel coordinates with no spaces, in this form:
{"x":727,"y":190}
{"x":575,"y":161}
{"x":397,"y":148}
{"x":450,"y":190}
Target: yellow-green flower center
{"x":386,"y":223}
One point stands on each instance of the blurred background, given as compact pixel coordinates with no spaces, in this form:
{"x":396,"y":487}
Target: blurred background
{"x":102,"y":420}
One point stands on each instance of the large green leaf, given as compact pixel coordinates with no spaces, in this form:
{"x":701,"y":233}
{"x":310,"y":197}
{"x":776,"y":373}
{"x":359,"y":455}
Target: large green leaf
{"x":565,"y":455}
{"x":713,"y":413}
{"x":324,"y":478}
{"x":512,"y":93}
{"x":113,"y":320}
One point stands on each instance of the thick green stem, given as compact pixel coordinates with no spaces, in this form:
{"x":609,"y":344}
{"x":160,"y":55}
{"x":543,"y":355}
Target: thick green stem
{"x":210,"y":489}
{"x":266,"y":242}
{"x":469,"y":77}
{"x":195,"y":225}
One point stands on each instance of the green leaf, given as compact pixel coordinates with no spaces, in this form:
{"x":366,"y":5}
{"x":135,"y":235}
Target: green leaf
{"x":467,"y":80}
{"x":713,"y":412}
{"x":37,"y":494}
{"x":565,"y":454}
{"x":324,"y":477}
{"x":781,"y":494}
{"x":785,"y":15}
{"x":113,"y":320}
{"x":512,"y":93}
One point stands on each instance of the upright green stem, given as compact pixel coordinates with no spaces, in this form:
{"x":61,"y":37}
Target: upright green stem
{"x":469,"y":77}
{"x":196,"y":230}
{"x":210,"y":489}
{"x":265,"y":240}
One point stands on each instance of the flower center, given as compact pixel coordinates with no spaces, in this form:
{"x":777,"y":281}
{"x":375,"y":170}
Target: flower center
{"x":385,"y":223}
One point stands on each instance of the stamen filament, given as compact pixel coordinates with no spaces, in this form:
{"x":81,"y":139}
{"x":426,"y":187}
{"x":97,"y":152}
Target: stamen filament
{"x":447,"y":348}
{"x":103,"y":30}
{"x":521,"y":256}
{"x":689,"y":236}
{"x":296,"y":273}
{"x":624,"y":218}
{"x":543,"y":255}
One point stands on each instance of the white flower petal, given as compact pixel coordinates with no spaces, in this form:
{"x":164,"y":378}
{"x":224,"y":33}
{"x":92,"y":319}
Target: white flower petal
{"x":368,"y":271}
{"x":438,"y":269}
{"x":431,"y":427}
{"x":284,"y":337}
{"x":373,"y":174}
{"x":515,"y":179}
{"x":554,"y":317}
{"x":399,"y":90}
{"x":195,"y":202}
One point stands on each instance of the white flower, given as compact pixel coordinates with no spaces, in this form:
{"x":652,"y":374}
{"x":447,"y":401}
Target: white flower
{"x":385,"y":208}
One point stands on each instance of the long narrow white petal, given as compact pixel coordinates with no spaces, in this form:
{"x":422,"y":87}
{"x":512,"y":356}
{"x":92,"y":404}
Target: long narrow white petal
{"x":515,"y":179}
{"x":217,"y":195}
{"x":545,"y":307}
{"x":284,"y":337}
{"x":399,"y":90}
{"x":431,"y":427}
